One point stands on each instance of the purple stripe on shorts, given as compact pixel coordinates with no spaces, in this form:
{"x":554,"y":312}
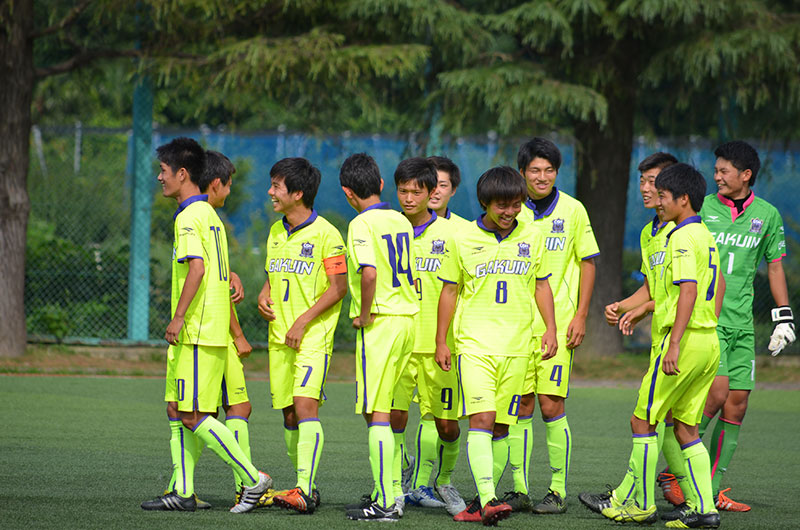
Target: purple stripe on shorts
{"x":364,"y":371}
{"x":224,"y":393}
{"x":195,"y":403}
{"x":322,"y":396}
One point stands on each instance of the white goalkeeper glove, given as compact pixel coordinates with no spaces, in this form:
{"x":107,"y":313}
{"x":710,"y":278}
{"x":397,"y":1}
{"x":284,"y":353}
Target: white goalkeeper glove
{"x":783,"y":334}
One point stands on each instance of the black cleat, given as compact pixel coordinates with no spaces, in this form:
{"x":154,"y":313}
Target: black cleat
{"x":679,"y":511}
{"x":597,"y":502}
{"x":171,"y":502}
{"x":519,"y":502}
{"x":374,"y":512}
{"x":693,"y":519}
{"x":552,"y":503}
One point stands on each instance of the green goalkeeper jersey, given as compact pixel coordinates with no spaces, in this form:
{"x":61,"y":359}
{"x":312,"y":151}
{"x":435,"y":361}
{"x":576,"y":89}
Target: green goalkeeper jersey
{"x":743,"y":239}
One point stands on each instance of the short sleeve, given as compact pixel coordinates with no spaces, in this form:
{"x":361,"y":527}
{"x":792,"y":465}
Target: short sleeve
{"x":585,"y":242}
{"x":360,"y":244}
{"x":189,"y":241}
{"x":775,"y":247}
{"x":684,"y":259}
{"x":450,"y":271}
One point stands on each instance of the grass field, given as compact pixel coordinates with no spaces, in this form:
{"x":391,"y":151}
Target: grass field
{"x":83,"y":452}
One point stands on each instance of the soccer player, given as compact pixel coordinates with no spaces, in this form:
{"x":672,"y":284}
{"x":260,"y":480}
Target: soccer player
{"x":448,"y":179}
{"x":688,"y":353}
{"x":307,"y":270}
{"x":570,"y":249}
{"x":384,"y":303}
{"x":489,"y":277}
{"x":199,"y":330}
{"x":416,"y":179}
{"x":747,"y":230}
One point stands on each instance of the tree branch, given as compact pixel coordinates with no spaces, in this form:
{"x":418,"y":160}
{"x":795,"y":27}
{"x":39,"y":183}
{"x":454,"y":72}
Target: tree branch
{"x":68,"y":19}
{"x":83,"y":58}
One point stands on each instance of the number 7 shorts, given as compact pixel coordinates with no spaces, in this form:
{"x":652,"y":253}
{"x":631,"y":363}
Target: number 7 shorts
{"x":296,"y":373}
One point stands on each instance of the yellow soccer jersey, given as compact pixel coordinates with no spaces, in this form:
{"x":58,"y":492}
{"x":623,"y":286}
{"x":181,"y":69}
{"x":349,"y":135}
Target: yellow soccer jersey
{"x":380,"y":237}
{"x":652,"y":242}
{"x":433,"y":241}
{"x":199,"y":233}
{"x":568,"y":240}
{"x":456,"y":219}
{"x":692,"y":256}
{"x":298,"y":263}
{"x":497,"y":277}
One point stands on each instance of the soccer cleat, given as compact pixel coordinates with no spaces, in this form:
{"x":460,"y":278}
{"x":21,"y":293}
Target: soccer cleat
{"x":251,"y":495}
{"x":171,"y":502}
{"x":365,"y":501}
{"x":677,"y":513}
{"x":693,"y":519}
{"x":552,"y":503}
{"x":317,"y":498}
{"x":453,"y":502}
{"x":519,"y":502}
{"x":494,"y":511}
{"x":374,"y":512}
{"x":408,"y":474}
{"x":729,"y":505}
{"x":631,"y":513}
{"x":470,"y":514}
{"x":670,"y":488}
{"x":201,"y":505}
{"x":423,"y":496}
{"x":295,"y":500}
{"x":597,"y":502}
{"x":400,"y":504}
{"x":267,"y":499}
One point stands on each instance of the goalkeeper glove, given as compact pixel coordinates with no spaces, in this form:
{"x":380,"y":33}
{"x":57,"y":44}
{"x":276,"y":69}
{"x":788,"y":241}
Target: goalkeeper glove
{"x":783,"y":334}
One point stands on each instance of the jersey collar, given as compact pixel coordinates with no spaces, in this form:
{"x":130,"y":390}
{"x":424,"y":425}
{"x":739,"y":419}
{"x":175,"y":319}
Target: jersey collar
{"x":687,"y":221}
{"x":494,"y":232}
{"x":419,"y":230}
{"x":656,"y":226}
{"x":447,"y":213}
{"x":730,"y":204}
{"x":532,"y":206}
{"x":194,"y":198}
{"x":290,"y":230}
{"x":377,"y":206}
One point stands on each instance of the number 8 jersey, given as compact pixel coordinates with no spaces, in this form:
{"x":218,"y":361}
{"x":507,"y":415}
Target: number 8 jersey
{"x":380,"y":237}
{"x":497,"y":276}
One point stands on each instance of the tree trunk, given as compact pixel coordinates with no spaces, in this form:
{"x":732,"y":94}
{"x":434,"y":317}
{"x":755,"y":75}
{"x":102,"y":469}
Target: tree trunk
{"x":16,"y":90}
{"x":603,"y":158}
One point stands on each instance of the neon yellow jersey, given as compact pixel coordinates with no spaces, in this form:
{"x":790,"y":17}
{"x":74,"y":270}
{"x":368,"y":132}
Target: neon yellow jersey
{"x":200,"y":234}
{"x":297,"y":266}
{"x":568,"y":240}
{"x":380,"y":237}
{"x":497,"y":277}
{"x":433,"y":241}
{"x":692,"y":256}
{"x":456,"y":219}
{"x":653,"y":243}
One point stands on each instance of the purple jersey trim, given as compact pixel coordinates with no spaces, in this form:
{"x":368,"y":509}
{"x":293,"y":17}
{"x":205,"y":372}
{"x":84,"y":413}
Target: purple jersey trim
{"x":687,"y":221}
{"x":290,"y":230}
{"x":446,"y":281}
{"x":182,"y":206}
{"x":496,"y":234}
{"x":181,"y":260}
{"x":376,"y":206}
{"x":678,"y":282}
{"x":590,"y":257}
{"x":546,"y":277}
{"x":419,"y":230}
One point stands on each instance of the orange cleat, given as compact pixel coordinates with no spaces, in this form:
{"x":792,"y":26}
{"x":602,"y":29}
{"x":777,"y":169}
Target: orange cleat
{"x":729,"y":505}
{"x":472,"y":514}
{"x":494,"y":511}
{"x":670,"y":488}
{"x":296,"y":500}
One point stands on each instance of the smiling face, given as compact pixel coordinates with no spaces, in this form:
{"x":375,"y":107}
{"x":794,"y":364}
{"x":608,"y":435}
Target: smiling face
{"x":540,"y":176}
{"x":731,"y":182}
{"x":412,"y":197}
{"x":670,"y":207}
{"x":170,"y":181}
{"x":282,"y":200}
{"x":500,"y":215}
{"x":443,"y":191}
{"x":647,"y":187}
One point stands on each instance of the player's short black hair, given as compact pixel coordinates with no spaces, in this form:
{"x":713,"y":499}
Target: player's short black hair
{"x":360,"y":173}
{"x":443,"y":163}
{"x":501,"y":183}
{"x":538,"y":147}
{"x":683,"y":179}
{"x":298,"y":175}
{"x":742,"y":155}
{"x":660,"y":160}
{"x":218,"y":166}
{"x":184,"y":153}
{"x":420,"y":170}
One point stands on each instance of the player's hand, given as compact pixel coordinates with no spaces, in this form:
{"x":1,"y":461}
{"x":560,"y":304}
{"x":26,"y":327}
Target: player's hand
{"x":576,"y":331}
{"x":243,"y":348}
{"x":443,"y":357}
{"x":295,"y":334}
{"x":783,"y":334}
{"x":549,"y":344}
{"x":612,"y":314}
{"x":173,"y":330}
{"x":629,"y":320}
{"x":265,"y":308}
{"x":238,"y":289}
{"x":363,"y":321}
{"x":669,"y":365}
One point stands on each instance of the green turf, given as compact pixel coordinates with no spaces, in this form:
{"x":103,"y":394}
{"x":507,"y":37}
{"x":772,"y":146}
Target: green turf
{"x":84,"y":452}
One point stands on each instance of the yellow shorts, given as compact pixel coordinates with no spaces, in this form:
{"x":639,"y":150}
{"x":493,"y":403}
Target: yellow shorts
{"x":491,"y":383}
{"x":438,"y":390}
{"x":296,"y":373}
{"x":404,"y":389}
{"x":550,"y":377}
{"x":382,"y":352}
{"x":234,"y":388}
{"x":194,"y":376}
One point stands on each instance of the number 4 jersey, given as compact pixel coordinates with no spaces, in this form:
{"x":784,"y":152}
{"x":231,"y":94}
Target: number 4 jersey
{"x":497,"y":277}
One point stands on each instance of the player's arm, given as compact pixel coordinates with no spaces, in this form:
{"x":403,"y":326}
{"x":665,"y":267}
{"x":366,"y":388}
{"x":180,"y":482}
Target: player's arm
{"x":632,"y":316}
{"x":577,"y":326}
{"x":444,"y":317}
{"x":369,"y":279}
{"x":265,"y":302}
{"x":238,"y":289}
{"x":615,"y":310}
{"x":783,"y":334}
{"x":336,"y":290}
{"x":685,"y":306}
{"x":243,"y":347}
{"x":544,"y":301}
{"x":720,"y":294}
{"x":193,"y":279}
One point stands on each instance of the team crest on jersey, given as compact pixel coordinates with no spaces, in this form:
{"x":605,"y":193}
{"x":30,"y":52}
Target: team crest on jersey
{"x":524,"y":250}
{"x":437,"y":247}
{"x":558,"y":226}
{"x":307,"y":250}
{"x":756,"y":225}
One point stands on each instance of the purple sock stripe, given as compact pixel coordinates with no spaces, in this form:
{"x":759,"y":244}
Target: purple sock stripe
{"x":199,"y":423}
{"x":322,"y":396}
{"x":566,"y":462}
{"x":668,"y":425}
{"x":524,"y":457}
{"x":364,"y":371}
{"x":644,"y":435}
{"x":307,"y":419}
{"x":644,"y":477}
{"x":498,"y":438}
{"x":439,"y":470}
{"x":174,"y":419}
{"x":695,"y":442}
{"x":398,"y":431}
{"x":211,"y":431}
{"x":237,"y":418}
{"x":380,"y":475}
{"x":313,"y":465}
{"x":555,"y":418}
{"x":571,"y":359}
{"x":196,"y":374}
{"x":694,"y":483}
{"x":289,"y":428}
{"x":419,"y":452}
{"x":480,"y":430}
{"x":183,"y":463}
{"x":630,"y":492}
{"x":378,"y":424}
{"x":523,"y":418}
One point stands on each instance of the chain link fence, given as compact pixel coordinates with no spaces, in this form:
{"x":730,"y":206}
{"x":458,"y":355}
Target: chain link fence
{"x":79,"y":234}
